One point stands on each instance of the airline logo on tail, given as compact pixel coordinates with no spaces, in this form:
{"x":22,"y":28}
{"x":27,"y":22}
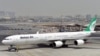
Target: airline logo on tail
{"x":91,"y":25}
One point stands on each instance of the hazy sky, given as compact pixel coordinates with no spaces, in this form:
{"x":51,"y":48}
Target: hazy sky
{"x":51,"y":7}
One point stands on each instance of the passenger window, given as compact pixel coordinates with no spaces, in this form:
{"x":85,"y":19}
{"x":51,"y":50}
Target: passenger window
{"x":27,"y":37}
{"x":24,"y":37}
{"x":31,"y":37}
{"x":6,"y":39}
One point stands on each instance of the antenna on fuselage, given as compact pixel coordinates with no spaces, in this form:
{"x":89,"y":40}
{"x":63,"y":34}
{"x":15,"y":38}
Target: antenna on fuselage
{"x":37,"y":32}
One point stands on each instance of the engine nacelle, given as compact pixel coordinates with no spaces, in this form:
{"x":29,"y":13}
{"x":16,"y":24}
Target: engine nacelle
{"x":79,"y":42}
{"x":57,"y":44}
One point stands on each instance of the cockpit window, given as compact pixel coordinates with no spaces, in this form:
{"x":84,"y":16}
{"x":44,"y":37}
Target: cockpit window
{"x":6,"y":39}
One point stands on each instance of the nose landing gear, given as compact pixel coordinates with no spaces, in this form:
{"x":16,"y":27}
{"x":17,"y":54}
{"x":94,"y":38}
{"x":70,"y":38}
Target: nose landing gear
{"x":12,"y":48}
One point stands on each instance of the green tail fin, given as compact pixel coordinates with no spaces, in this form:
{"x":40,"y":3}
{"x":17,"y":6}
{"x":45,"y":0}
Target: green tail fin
{"x":91,"y":25}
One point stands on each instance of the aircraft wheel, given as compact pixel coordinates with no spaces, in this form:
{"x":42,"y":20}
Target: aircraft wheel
{"x":85,"y":40}
{"x":12,"y":49}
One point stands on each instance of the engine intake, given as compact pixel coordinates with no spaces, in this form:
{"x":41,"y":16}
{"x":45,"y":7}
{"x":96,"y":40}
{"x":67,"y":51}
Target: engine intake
{"x":79,"y":42}
{"x":57,"y":44}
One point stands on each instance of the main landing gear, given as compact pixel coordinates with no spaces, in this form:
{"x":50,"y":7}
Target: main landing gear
{"x":12,"y":48}
{"x":85,"y":40}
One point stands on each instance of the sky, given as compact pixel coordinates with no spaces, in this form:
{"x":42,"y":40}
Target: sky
{"x":51,"y":7}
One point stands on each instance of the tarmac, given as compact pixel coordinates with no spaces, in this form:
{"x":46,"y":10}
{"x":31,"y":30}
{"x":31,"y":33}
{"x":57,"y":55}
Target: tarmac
{"x":89,"y":49}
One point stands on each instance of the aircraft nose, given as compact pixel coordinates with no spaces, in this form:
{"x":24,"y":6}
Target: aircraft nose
{"x":4,"y":41}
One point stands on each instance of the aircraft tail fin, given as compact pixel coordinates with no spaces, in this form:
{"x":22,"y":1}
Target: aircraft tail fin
{"x":91,"y":25}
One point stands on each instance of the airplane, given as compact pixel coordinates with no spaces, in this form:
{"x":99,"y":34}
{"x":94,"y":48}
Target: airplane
{"x":56,"y":40}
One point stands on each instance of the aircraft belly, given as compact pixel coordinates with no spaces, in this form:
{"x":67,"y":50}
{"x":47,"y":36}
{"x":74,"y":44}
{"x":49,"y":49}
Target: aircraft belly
{"x":26,"y":41}
{"x":73,"y":37}
{"x":18,"y":42}
{"x":35,"y":41}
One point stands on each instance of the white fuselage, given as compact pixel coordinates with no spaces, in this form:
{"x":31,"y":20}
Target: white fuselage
{"x":46,"y":37}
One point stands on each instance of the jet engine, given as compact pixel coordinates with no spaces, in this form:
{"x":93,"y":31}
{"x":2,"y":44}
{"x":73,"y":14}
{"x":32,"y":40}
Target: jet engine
{"x":57,"y":44}
{"x":79,"y":42}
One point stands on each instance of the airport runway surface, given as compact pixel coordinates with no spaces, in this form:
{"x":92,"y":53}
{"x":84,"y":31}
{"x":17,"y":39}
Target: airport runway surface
{"x":92,"y":49}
